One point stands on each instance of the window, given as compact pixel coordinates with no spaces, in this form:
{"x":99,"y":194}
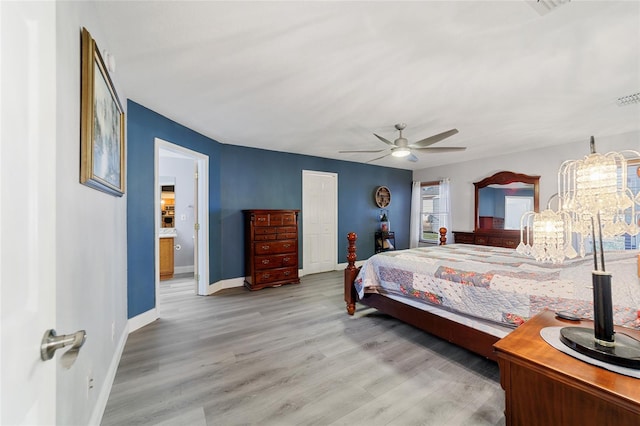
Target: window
{"x":626,"y":241}
{"x":632,"y":242}
{"x":432,"y":212}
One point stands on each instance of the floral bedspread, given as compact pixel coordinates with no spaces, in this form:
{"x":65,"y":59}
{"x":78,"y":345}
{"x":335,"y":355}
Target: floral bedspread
{"x":498,"y":285}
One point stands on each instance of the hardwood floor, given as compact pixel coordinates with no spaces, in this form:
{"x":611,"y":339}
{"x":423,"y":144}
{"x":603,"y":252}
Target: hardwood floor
{"x":292,"y":356}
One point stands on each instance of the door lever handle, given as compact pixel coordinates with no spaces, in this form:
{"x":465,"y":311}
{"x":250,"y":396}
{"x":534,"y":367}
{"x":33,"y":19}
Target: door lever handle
{"x":51,"y":342}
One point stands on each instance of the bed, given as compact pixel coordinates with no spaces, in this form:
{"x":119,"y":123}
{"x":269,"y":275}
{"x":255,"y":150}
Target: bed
{"x":473,"y":296}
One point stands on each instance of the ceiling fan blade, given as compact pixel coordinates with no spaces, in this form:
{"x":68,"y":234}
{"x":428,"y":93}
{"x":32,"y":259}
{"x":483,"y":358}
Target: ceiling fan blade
{"x":388,"y":142}
{"x":348,"y":152}
{"x":433,"y":139}
{"x":443,"y":149}
{"x":412,"y":158}
{"x":386,"y":155}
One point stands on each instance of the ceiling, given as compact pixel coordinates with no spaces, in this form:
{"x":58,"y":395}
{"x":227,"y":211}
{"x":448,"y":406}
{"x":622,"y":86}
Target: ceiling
{"x":319,"y":77}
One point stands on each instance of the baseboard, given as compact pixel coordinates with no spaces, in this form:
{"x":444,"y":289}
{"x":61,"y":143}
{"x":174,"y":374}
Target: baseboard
{"x":143,"y":319}
{"x":183,"y":269}
{"x":105,"y":391}
{"x":233,"y":282}
{"x":221,"y":285}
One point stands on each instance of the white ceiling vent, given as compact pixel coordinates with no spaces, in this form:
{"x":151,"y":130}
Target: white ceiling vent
{"x":545,"y":6}
{"x":633,"y":98}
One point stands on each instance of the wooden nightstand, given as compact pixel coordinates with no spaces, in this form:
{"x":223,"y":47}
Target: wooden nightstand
{"x":544,"y":386}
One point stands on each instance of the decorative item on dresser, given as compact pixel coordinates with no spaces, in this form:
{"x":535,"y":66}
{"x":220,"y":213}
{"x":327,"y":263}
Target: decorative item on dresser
{"x":271,"y":248}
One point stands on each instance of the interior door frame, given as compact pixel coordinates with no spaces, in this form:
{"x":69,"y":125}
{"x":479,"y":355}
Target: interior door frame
{"x":335,"y":215}
{"x":202,"y":194}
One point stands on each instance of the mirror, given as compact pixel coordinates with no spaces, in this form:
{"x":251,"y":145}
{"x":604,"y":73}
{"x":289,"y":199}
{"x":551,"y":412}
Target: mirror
{"x":167,"y":201}
{"x":502,"y":198}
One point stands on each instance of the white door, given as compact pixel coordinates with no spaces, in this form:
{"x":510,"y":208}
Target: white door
{"x":27,"y":206}
{"x":319,"y":221}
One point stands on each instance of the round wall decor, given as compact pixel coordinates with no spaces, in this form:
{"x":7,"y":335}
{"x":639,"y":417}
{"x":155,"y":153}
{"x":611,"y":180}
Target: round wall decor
{"x":382,"y":196}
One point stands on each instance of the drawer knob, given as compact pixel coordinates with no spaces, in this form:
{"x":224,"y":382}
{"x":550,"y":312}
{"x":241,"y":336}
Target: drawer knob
{"x":286,"y":259}
{"x":265,"y":262}
{"x":287,"y":272}
{"x":266,"y":275}
{"x":265,"y":247}
{"x":287,"y":245}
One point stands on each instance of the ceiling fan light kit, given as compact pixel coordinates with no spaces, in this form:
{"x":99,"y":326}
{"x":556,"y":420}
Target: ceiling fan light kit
{"x":402,"y":148}
{"x":401,"y":152}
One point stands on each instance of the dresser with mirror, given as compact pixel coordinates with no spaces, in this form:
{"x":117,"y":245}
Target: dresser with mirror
{"x":500,"y":200}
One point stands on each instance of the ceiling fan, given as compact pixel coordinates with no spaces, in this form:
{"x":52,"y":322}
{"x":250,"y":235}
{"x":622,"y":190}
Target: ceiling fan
{"x":401,"y":147}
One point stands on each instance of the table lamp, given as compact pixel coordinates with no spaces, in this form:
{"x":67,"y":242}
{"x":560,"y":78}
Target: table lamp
{"x":594,"y":202}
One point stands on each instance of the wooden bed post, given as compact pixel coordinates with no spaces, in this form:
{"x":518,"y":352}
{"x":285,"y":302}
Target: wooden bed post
{"x":443,"y":236}
{"x":350,"y":274}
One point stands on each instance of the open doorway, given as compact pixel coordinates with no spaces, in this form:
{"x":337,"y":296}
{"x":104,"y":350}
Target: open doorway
{"x":181,"y":200}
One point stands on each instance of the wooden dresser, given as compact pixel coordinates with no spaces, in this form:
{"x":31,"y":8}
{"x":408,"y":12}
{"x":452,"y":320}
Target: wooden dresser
{"x":544,"y":386}
{"x":496,"y":238}
{"x":271,"y":248}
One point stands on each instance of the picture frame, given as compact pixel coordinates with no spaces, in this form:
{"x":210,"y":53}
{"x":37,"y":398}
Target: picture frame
{"x":101,"y":124}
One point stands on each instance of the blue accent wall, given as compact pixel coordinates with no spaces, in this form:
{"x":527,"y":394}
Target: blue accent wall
{"x":246,"y":178}
{"x":143,"y":126}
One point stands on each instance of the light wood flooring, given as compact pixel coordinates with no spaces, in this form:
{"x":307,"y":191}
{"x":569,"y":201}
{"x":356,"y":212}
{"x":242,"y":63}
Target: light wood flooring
{"x":292,"y":356}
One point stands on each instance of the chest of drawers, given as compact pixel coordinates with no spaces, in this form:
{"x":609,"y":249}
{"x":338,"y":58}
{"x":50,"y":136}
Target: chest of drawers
{"x":271,"y":248}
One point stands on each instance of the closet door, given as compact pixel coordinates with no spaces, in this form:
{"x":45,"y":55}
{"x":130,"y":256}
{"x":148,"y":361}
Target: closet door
{"x":319,"y":221}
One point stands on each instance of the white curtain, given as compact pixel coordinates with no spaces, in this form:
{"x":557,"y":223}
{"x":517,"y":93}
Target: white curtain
{"x":414,"y":223}
{"x":445,"y":208}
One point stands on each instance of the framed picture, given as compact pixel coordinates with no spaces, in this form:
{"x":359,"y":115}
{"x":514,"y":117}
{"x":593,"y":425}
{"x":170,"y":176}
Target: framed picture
{"x":101,"y":124}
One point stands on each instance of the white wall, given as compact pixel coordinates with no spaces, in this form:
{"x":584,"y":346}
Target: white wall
{"x":544,"y":162}
{"x":91,"y":238}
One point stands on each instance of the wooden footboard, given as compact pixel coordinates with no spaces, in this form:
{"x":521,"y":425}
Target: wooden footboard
{"x":451,"y":331}
{"x":351,"y":272}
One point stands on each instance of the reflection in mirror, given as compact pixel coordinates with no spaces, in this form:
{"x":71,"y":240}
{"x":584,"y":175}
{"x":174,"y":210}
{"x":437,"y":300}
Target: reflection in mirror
{"x":501,"y":206}
{"x":167,"y":201}
{"x":501,"y":200}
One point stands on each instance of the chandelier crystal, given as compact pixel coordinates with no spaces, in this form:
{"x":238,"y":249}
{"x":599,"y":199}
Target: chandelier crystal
{"x":548,"y":236}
